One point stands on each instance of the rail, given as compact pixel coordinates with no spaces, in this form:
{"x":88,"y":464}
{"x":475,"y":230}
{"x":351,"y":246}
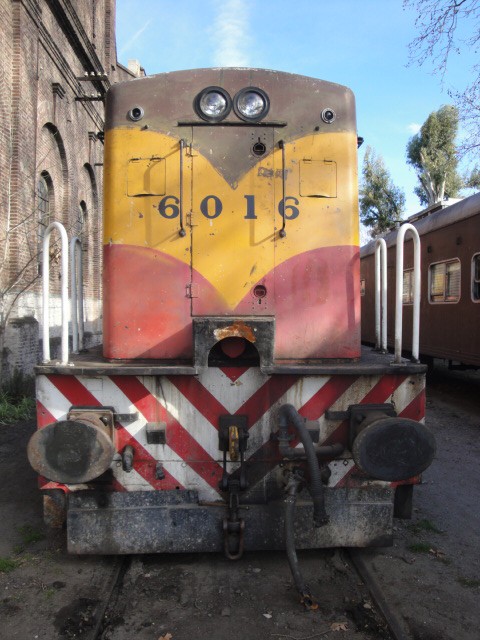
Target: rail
{"x":46,"y":290}
{"x":381,"y":295}
{"x":76,"y":289}
{"x":399,"y":293}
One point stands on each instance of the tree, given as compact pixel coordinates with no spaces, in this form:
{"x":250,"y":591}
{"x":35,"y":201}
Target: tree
{"x":381,"y":202}
{"x":433,"y":154}
{"x":437,"y":22}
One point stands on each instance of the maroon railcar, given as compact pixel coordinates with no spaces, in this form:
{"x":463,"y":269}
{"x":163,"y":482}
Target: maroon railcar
{"x":450,"y":284}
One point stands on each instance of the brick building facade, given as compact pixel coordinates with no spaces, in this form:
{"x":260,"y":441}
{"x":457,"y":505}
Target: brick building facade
{"x":51,"y":154}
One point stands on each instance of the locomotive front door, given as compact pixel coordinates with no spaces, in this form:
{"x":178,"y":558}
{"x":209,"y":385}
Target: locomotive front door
{"x":232,"y":221}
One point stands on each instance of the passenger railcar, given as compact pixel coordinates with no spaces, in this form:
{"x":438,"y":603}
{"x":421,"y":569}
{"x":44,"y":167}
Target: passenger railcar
{"x":450,"y":284}
{"x":232,"y":374}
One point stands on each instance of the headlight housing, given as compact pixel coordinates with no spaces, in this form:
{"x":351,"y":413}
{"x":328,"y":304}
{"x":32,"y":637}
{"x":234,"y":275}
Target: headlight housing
{"x":213,"y":104}
{"x":251,"y":104}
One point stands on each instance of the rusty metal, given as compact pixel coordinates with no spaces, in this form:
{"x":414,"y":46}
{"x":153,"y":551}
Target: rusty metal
{"x":233,"y":443}
{"x":55,"y":508}
{"x":76,"y":450}
{"x":237,"y":329}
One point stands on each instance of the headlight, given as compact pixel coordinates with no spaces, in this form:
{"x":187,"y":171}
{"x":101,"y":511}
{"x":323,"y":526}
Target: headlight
{"x":213,"y":104}
{"x":251,"y":104}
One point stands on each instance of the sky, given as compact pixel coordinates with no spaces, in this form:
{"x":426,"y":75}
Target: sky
{"x":362,"y":44}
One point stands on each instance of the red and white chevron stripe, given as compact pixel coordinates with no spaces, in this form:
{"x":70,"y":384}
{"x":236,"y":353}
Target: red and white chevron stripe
{"x":191,"y":406}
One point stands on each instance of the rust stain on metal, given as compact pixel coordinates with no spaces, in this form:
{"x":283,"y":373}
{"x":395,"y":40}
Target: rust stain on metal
{"x":236,"y":330}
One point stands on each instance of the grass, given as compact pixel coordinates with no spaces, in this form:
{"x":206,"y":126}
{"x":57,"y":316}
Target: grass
{"x":7,"y":565}
{"x":30,"y":535}
{"x":15,"y":409}
{"x":471,"y":583}
{"x":422,"y":526}
{"x":420,"y":547}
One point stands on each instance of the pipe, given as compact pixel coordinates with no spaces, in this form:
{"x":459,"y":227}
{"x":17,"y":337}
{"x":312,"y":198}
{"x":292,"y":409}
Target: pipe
{"x":290,"y":501}
{"x":289,"y":415}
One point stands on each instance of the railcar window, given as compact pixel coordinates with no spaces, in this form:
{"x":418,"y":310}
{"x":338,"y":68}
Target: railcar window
{"x":444,"y":281}
{"x":407,"y":297}
{"x":476,"y":277}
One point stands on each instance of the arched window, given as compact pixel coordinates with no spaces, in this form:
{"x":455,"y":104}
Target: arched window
{"x":81,"y":221}
{"x":44,"y":207}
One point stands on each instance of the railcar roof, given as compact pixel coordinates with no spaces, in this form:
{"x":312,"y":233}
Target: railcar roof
{"x":462,"y":210}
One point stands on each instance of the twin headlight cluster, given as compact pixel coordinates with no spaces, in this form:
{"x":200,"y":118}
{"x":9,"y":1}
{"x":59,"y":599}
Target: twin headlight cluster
{"x":213,"y":104}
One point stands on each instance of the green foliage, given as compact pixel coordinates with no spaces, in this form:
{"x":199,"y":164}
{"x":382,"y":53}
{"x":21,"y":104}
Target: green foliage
{"x":433,"y":154}
{"x":381,"y":202}
{"x":471,"y":583}
{"x":420,"y":547}
{"x":423,"y":525}
{"x":14,"y":409}
{"x":7,"y":565}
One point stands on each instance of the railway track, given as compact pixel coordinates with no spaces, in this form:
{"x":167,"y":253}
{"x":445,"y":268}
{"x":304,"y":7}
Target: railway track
{"x":124,"y":594}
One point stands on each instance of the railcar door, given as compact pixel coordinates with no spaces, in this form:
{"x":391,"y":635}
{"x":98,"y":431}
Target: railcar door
{"x":232,"y":220}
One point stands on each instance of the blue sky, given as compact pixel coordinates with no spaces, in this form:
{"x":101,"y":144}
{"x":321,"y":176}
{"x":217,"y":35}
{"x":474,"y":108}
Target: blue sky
{"x":359,"y":43}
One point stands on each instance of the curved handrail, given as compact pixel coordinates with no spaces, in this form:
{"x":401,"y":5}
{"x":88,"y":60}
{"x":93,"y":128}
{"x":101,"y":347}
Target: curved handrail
{"x":76,"y":289}
{"x":46,"y":290}
{"x":381,"y":295}
{"x":399,"y":293}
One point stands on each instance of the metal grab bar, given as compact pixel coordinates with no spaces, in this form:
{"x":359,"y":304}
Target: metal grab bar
{"x":46,"y":290}
{"x":283,"y":232}
{"x":76,"y":289}
{"x":381,"y":295}
{"x":181,"y":231}
{"x":399,"y":293}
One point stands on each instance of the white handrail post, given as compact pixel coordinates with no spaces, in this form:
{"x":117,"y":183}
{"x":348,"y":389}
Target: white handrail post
{"x":46,"y":290}
{"x":76,"y":288}
{"x":399,"y":293}
{"x":381,"y":295}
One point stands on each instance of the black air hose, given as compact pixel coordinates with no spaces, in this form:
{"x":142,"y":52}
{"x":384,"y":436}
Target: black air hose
{"x":288,"y":414}
{"x":291,"y":490}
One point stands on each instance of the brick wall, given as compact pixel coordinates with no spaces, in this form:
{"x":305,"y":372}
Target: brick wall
{"x":48,"y":135}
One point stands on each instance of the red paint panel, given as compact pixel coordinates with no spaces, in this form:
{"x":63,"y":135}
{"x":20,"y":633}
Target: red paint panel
{"x":317,"y":304}
{"x":145,"y":304}
{"x":314,"y":297}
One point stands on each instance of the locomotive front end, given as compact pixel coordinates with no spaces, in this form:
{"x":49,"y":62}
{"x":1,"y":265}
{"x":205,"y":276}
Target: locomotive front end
{"x":232,"y":376}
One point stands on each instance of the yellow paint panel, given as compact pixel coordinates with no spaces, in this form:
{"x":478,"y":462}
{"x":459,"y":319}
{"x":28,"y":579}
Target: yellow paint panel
{"x":236,"y":248}
{"x":318,"y":178}
{"x":146,"y":177}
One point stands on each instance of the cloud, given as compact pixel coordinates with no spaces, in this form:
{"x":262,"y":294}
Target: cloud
{"x":231,"y":34}
{"x":414,"y":128}
{"x":128,"y":44}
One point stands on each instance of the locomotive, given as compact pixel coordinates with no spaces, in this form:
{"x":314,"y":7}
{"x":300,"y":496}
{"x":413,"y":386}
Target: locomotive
{"x":232,"y":407}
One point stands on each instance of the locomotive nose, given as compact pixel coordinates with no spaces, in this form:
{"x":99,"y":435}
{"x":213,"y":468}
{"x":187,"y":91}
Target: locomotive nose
{"x":392,"y":448}
{"x":72,"y":451}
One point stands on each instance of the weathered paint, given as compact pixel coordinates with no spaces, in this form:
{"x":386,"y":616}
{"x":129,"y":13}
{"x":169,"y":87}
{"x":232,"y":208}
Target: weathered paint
{"x":191,"y":406}
{"x":155,"y":280}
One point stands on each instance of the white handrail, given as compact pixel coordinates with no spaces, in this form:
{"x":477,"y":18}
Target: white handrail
{"x":46,"y":290}
{"x":76,"y":289}
{"x":381,"y":295}
{"x":399,"y":293}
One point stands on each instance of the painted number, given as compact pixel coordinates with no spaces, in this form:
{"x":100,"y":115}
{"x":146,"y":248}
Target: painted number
{"x":288,"y":211}
{"x":168,"y":207}
{"x":211,"y":207}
